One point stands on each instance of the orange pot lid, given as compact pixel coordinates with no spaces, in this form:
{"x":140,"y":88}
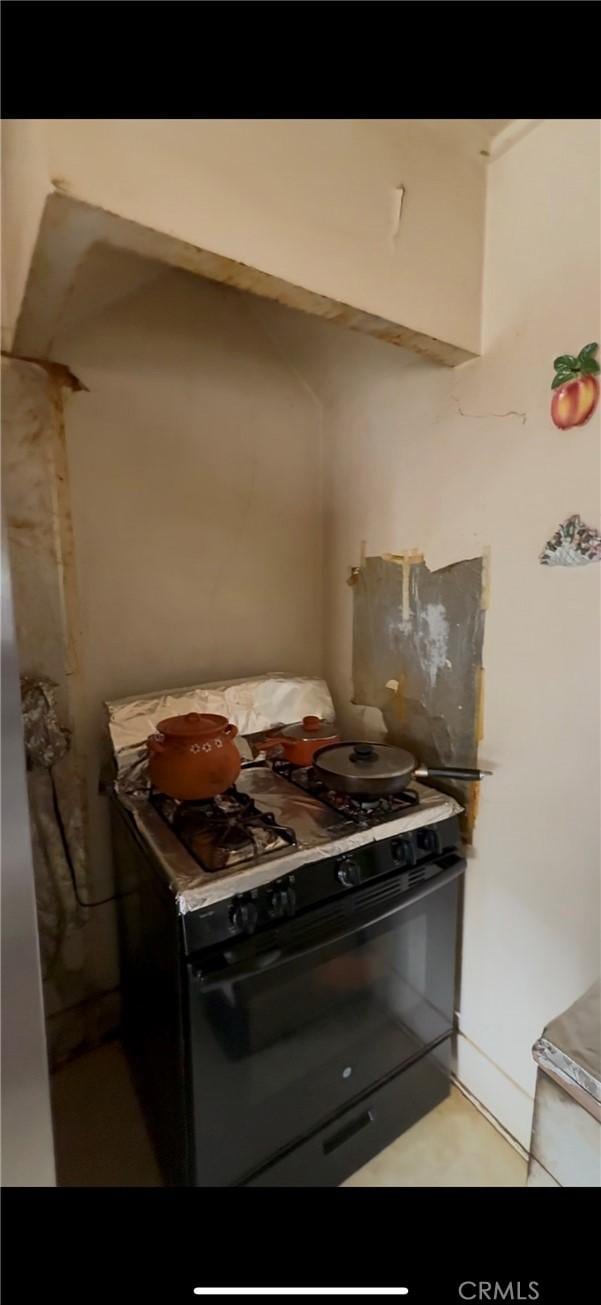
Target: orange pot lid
{"x":194,"y":724}
{"x":311,"y":727}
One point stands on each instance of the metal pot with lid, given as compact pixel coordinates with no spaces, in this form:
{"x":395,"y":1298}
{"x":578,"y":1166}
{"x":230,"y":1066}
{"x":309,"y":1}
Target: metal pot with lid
{"x":300,"y":742}
{"x":373,"y":770}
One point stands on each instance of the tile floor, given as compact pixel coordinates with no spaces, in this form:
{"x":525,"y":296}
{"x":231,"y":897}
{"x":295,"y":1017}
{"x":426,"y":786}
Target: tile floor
{"x":101,"y":1140}
{"x":454,"y":1146}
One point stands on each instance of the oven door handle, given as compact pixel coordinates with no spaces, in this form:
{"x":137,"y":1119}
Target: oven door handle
{"x":273,"y":958}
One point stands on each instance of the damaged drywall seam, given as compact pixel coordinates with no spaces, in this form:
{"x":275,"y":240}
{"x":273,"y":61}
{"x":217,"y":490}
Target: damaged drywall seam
{"x":355,"y":571}
{"x":485,"y":597}
{"x":406,"y":560}
{"x":406,"y":610}
{"x":474,"y":796}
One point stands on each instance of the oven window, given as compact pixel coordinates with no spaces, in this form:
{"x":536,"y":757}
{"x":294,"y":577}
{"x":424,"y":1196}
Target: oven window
{"x":376,"y":990}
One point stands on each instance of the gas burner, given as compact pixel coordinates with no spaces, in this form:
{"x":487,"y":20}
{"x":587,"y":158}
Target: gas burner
{"x":223,"y":832}
{"x":367,"y":812}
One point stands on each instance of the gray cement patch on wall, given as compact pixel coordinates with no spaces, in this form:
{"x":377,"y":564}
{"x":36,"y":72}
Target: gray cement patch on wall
{"x":417,"y":656}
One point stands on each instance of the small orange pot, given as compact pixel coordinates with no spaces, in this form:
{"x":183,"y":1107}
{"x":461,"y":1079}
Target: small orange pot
{"x":193,"y":756}
{"x":299,"y":743}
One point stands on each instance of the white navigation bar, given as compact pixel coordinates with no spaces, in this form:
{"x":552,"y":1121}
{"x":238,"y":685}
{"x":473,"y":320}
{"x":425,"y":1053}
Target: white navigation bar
{"x":301,"y":1291}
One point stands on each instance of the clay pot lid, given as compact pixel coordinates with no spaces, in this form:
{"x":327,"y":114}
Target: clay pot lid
{"x":194,"y":724}
{"x":311,"y":727}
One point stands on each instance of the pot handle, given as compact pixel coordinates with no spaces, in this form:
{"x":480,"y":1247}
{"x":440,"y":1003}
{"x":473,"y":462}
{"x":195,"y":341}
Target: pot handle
{"x":230,"y":731}
{"x":155,"y":745}
{"x":273,"y":742}
{"x":449,"y":772}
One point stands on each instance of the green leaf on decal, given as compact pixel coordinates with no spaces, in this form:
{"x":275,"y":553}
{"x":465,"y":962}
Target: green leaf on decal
{"x":589,"y":367}
{"x":563,"y":377}
{"x":588,"y":350}
{"x":566,"y":361}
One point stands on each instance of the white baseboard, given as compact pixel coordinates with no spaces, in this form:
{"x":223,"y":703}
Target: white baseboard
{"x":504,"y":1102}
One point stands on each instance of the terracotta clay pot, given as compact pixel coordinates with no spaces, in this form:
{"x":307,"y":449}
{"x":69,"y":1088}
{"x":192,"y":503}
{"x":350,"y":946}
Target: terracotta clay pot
{"x":299,"y":743}
{"x":193,"y":756}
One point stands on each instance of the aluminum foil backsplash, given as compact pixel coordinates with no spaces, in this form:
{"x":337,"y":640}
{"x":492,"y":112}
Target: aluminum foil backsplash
{"x":253,"y":705}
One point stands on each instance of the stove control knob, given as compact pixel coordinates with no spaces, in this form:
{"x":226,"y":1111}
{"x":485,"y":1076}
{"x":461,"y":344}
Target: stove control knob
{"x":402,"y":851}
{"x":243,"y":916}
{"x":428,"y":840}
{"x":348,"y":872}
{"x":282,"y":901}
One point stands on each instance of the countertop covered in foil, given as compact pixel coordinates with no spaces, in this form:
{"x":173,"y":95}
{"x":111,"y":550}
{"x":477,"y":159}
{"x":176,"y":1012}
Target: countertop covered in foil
{"x":570,"y":1048}
{"x":320,"y":833}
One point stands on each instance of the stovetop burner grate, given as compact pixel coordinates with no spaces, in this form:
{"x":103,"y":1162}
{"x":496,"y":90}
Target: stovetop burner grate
{"x":223,"y":832}
{"x":364,"y":813}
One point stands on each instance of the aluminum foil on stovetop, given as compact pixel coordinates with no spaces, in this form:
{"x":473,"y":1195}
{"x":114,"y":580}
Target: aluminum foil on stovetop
{"x":253,"y":705}
{"x":320,"y":833}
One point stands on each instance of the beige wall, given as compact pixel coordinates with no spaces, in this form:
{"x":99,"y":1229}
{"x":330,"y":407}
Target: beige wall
{"x":195,"y":464}
{"x":451,"y":463}
{"x":25,"y":187}
{"x":309,"y":200}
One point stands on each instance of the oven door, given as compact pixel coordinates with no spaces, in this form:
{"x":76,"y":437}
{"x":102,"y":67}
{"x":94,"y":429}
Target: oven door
{"x":288,"y":1029}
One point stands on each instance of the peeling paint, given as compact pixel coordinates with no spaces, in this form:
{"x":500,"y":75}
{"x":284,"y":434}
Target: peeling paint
{"x":62,"y":185}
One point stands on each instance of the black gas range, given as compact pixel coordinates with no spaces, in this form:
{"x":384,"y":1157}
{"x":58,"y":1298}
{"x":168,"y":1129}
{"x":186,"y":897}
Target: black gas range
{"x":288,"y":962}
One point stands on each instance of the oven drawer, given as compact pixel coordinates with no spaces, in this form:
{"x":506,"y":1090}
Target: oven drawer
{"x":347,"y":1143}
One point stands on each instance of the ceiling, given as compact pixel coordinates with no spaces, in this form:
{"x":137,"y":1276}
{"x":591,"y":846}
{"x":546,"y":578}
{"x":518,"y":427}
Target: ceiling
{"x":103,"y":276}
{"x":468,"y":135}
{"x":491,"y":126}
